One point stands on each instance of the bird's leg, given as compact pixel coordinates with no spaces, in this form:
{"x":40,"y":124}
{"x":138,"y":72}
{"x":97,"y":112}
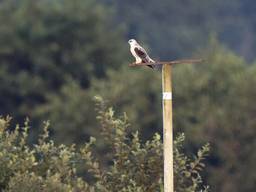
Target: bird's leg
{"x":138,"y":60}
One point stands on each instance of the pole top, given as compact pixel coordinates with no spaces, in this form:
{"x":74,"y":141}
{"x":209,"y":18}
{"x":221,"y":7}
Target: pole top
{"x":182,"y":61}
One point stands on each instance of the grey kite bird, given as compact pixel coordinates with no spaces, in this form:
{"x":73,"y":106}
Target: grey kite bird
{"x":140,"y":54}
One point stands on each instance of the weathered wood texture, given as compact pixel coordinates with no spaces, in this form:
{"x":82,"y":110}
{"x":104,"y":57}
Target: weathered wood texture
{"x":187,"y":61}
{"x":167,"y":128}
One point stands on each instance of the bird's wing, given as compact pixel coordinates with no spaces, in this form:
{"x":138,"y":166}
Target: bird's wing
{"x":140,"y":52}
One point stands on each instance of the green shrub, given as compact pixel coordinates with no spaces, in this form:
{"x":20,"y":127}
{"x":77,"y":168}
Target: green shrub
{"x":132,"y":166}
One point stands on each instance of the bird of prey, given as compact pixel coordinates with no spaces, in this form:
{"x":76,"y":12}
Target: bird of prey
{"x":140,"y":54}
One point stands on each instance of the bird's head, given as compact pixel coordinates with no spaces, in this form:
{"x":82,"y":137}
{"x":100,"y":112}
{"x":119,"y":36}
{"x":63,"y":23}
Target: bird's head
{"x":132,"y":41}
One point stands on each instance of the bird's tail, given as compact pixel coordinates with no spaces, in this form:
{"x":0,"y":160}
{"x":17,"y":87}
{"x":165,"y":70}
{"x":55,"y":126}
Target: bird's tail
{"x":155,"y":67}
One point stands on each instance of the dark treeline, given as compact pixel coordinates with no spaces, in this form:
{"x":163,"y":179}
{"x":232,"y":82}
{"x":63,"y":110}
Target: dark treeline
{"x":55,"y":56}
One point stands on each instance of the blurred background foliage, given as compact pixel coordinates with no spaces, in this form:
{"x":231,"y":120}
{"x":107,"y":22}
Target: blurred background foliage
{"x":55,"y":56}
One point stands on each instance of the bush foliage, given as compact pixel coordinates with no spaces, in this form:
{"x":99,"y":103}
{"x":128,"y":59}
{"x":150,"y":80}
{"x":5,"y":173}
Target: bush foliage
{"x":132,"y":166}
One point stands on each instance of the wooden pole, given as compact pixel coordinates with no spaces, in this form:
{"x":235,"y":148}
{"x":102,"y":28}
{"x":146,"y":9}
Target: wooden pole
{"x":167,"y":116}
{"x":167,"y":128}
{"x":182,"y":61}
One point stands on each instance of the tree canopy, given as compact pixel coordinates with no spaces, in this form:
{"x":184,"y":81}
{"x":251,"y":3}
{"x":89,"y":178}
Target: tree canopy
{"x":46,"y":44}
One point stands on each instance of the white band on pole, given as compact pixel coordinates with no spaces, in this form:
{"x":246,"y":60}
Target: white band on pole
{"x":167,"y":95}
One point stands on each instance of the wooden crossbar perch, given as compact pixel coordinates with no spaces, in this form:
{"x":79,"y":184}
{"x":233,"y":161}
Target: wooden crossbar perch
{"x":167,"y":116}
{"x":182,"y":61}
